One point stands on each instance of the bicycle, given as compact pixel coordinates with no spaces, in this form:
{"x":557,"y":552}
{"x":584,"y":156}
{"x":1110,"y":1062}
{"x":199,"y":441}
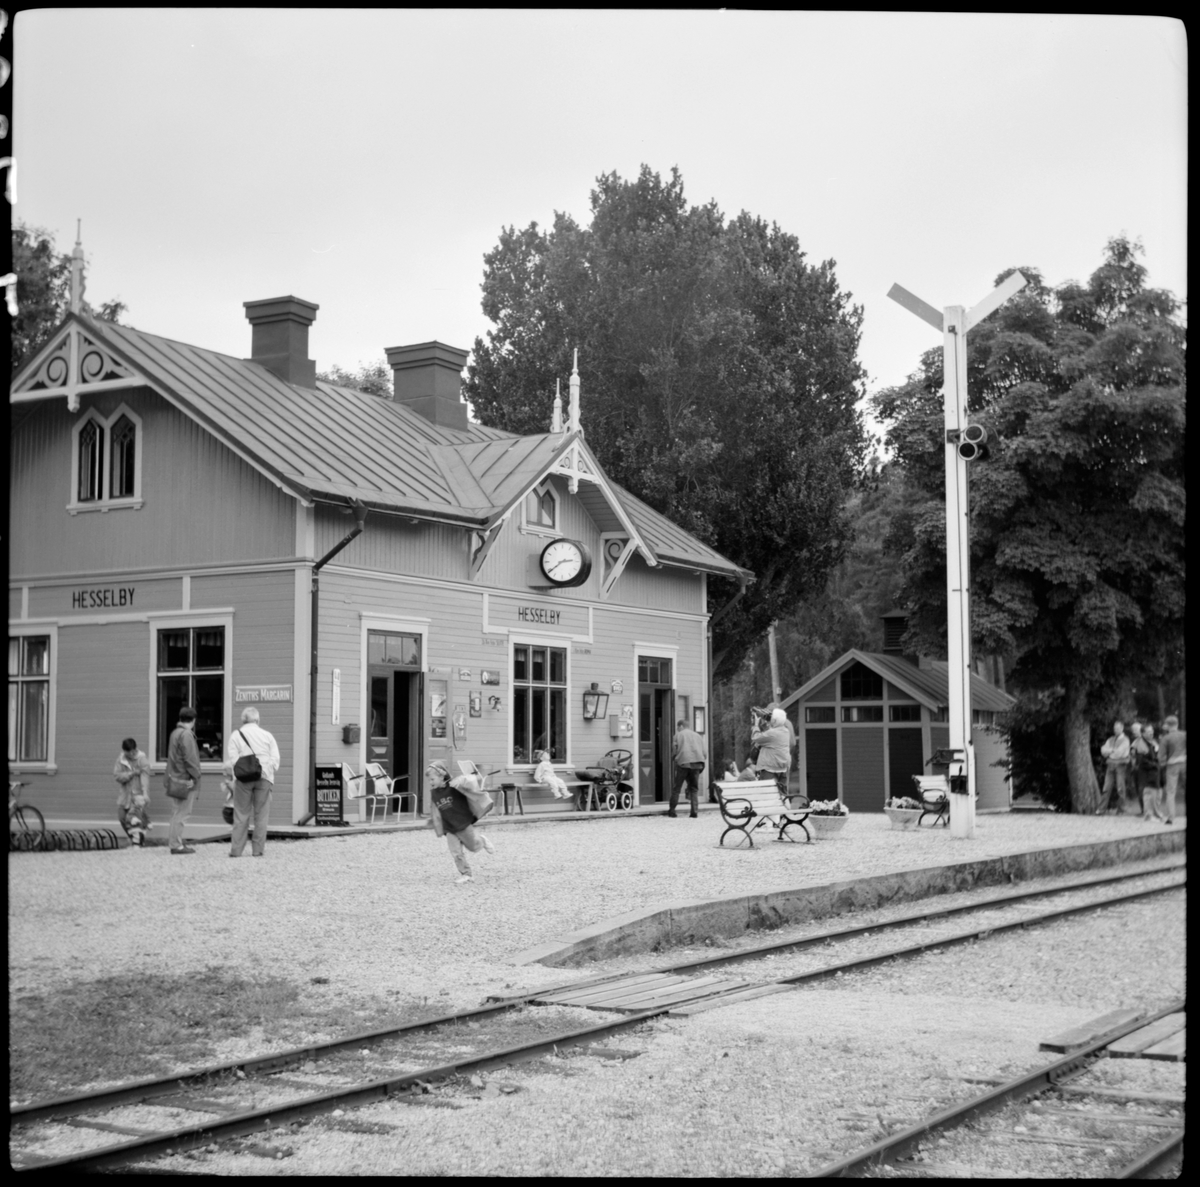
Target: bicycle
{"x":26,"y":824}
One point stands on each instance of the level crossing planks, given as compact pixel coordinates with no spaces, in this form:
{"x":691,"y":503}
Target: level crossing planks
{"x":1137,"y":1044}
{"x":646,"y":991}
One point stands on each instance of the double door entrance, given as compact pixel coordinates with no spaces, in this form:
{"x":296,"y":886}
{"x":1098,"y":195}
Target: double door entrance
{"x":394,"y":694}
{"x":656,"y":729}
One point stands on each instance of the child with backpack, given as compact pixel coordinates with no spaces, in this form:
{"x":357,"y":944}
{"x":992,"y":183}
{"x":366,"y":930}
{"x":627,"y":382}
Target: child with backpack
{"x":454,"y":808}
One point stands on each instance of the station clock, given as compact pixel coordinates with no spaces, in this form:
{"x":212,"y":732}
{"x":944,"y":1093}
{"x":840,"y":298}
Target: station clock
{"x":565,"y":562}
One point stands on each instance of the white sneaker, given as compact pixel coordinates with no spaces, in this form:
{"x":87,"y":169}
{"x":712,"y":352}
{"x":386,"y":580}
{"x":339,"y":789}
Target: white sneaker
{"x":463,"y":878}
{"x":487,"y":844}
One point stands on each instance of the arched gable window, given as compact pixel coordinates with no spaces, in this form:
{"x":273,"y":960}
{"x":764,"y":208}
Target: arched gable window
{"x":541,"y":508}
{"x":106,"y":462}
{"x":90,"y":461}
{"x":124,"y":458}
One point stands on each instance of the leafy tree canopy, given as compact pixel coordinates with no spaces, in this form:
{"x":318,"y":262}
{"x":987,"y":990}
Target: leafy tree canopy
{"x":373,"y":378}
{"x":43,"y":292}
{"x":1077,"y":515}
{"x":719,"y":378}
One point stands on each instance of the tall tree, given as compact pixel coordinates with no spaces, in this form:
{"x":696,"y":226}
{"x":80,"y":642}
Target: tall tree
{"x":43,"y":291}
{"x":1077,"y":515}
{"x":719,"y":377}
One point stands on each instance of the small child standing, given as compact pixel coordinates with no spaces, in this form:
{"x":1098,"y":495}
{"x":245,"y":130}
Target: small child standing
{"x":455,"y":807}
{"x":545,"y":774}
{"x":132,"y":773}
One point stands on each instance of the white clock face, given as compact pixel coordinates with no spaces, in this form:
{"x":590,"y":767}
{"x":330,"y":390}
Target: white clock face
{"x":562,"y":561}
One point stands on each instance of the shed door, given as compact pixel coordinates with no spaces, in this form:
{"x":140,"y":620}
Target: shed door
{"x":820,"y":749}
{"x":906,"y":758}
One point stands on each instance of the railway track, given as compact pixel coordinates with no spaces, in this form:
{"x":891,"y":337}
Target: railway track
{"x":234,"y":1099}
{"x":1049,"y":1109}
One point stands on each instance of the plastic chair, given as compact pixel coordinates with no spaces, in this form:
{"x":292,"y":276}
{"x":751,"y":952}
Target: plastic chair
{"x":382,"y":789}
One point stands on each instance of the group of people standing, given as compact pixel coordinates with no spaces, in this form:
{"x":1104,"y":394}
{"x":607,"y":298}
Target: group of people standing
{"x":1153,"y":769}
{"x":251,"y":761}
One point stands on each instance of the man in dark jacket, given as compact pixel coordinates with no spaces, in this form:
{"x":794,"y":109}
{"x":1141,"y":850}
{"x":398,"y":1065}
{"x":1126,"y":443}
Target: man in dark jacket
{"x":183,"y":766}
{"x":689,"y":753}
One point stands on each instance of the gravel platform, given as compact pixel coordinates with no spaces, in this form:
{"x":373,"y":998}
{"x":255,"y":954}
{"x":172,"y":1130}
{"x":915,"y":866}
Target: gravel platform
{"x":383,"y":912}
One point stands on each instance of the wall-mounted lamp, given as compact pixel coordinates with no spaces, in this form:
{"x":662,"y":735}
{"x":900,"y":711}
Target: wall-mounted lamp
{"x":595,"y":703}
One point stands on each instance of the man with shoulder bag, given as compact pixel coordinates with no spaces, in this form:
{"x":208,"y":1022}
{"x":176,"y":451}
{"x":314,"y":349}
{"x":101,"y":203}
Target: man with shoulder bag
{"x":182,"y":779}
{"x":251,"y":760}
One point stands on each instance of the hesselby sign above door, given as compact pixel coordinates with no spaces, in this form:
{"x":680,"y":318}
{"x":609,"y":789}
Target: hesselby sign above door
{"x":537,"y":614}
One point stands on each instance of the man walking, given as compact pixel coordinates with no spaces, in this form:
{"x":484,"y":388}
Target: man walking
{"x":183,"y":772}
{"x":1172,"y":754}
{"x":251,"y":796}
{"x":688,"y":750}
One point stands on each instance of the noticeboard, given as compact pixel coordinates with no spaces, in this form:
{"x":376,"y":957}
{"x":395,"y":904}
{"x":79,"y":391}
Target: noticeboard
{"x":329,"y":795}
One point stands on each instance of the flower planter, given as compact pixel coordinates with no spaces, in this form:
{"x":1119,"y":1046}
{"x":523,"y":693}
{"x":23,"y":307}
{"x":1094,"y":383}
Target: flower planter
{"x":903,"y":817}
{"x":825,"y":826}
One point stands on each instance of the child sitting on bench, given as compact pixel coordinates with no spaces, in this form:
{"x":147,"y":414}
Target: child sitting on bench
{"x":545,"y":774}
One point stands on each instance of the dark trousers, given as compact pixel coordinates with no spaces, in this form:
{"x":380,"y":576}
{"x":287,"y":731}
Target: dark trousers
{"x":692,"y":779}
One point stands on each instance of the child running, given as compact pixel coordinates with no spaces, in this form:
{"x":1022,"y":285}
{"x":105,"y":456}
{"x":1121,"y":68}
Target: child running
{"x":455,"y":806}
{"x":545,"y":774}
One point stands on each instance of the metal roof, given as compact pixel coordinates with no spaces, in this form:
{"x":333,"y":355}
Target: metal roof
{"x":930,"y":685}
{"x":339,"y":443}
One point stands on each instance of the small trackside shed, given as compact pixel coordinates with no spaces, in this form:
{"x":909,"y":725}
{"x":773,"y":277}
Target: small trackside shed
{"x":870,"y":721}
{"x":170,"y":505}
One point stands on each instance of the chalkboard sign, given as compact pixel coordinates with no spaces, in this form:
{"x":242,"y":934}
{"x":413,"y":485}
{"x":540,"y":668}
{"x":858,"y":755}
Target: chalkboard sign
{"x":329,"y":795}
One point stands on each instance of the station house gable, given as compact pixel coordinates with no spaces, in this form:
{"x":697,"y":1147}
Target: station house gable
{"x":325,"y":443}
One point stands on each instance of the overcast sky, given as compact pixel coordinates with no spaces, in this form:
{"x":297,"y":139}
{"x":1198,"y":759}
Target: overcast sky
{"x":367,"y":160}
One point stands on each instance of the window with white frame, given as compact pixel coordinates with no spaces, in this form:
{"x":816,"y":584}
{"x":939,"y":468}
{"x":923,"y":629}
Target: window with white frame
{"x":190,"y":670}
{"x":539,"y":713}
{"x":29,"y":698}
{"x":122,"y":469}
{"x":541,"y":508}
{"x":106,"y":460}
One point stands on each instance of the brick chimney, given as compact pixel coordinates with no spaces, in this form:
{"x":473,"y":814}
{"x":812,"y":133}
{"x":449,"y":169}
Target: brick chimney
{"x":427,"y":378}
{"x":280,"y":338}
{"x":895,"y":623}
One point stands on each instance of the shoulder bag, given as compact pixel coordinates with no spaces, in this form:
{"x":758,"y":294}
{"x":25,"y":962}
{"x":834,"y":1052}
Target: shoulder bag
{"x":247,"y":769}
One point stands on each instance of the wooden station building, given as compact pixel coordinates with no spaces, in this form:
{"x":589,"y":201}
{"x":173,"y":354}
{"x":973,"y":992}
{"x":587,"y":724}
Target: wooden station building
{"x":170,"y":507}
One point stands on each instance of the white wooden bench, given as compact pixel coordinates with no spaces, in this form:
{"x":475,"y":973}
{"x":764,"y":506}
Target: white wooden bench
{"x":746,"y":807}
{"x":578,"y":790}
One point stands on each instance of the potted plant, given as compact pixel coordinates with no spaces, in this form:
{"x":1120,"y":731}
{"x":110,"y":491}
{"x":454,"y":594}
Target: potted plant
{"x":826,"y":817}
{"x":903,"y":811}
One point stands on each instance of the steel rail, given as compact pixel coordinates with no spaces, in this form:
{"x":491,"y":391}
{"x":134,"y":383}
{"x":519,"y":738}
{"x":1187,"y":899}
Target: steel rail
{"x":963,"y":937}
{"x":990,"y":902}
{"x":158,"y":1086}
{"x":1154,"y":1161}
{"x":253,"y":1120}
{"x":1027,"y":1084}
{"x":162,"y":1085}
